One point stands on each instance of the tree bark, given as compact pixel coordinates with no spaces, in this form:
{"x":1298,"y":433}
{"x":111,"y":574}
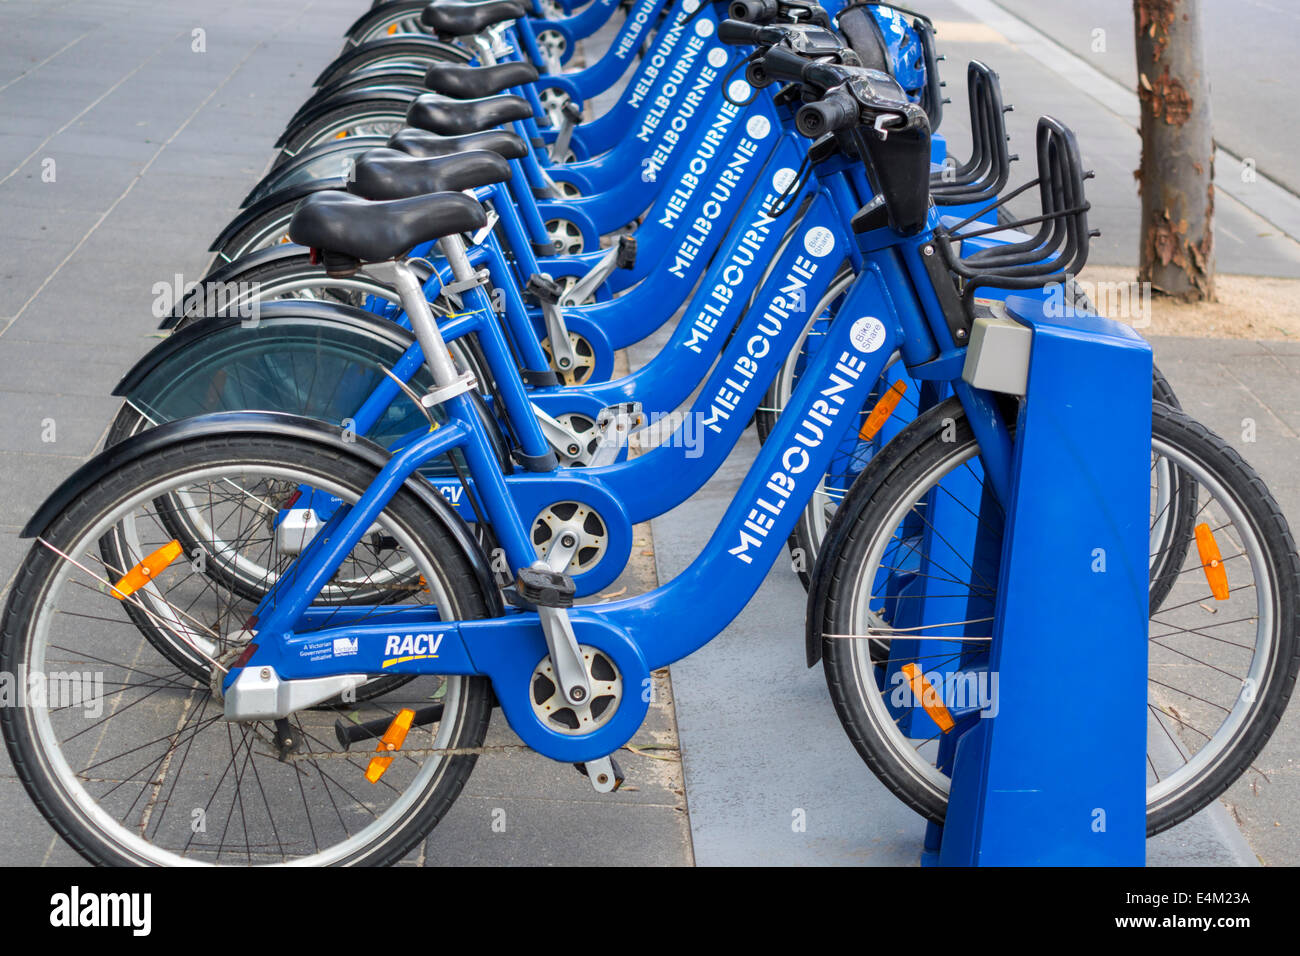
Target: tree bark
{"x":1176,"y":176}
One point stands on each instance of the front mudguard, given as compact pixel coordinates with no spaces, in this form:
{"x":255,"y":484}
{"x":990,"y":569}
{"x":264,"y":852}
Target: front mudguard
{"x":268,"y":361}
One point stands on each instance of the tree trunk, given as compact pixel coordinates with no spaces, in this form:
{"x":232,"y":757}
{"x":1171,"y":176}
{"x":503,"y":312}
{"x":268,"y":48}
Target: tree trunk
{"x":1176,"y":177}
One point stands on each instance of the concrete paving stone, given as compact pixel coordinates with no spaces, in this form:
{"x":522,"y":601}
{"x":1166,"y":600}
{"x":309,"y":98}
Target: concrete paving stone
{"x":28,"y":480}
{"x":1195,"y":349}
{"x":68,"y":315}
{"x":198,"y":165}
{"x":26,"y":839}
{"x":74,"y":369}
{"x":543,"y":833}
{"x":24,"y":264}
{"x":83,"y":189}
{"x":1286,"y":348}
{"x":16,"y":146}
{"x":44,"y":424}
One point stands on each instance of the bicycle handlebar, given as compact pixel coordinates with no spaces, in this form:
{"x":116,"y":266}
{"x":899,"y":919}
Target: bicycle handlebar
{"x":739,"y":33}
{"x":835,"y":111}
{"x":752,"y":10}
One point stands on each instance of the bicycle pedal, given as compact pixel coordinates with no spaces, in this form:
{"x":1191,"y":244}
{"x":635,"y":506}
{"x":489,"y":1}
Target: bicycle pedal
{"x":390,"y":742}
{"x":626,"y":252}
{"x":605,"y":774}
{"x":541,"y":587}
{"x":543,"y":288}
{"x":349,"y":733}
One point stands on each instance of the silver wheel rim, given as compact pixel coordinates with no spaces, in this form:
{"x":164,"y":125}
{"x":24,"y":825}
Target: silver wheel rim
{"x":1167,"y":788}
{"x":78,"y":800}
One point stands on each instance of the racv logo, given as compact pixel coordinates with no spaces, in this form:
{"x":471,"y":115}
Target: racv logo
{"x":400,"y":648}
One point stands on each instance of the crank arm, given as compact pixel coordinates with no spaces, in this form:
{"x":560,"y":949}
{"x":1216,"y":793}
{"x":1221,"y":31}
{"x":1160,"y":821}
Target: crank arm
{"x":616,"y":424}
{"x":570,"y":672}
{"x":562,"y":353}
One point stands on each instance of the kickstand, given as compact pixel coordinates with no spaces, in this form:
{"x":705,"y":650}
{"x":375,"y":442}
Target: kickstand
{"x":605,"y":774}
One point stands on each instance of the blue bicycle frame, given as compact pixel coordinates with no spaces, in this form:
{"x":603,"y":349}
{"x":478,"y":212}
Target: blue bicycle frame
{"x":655,"y":629}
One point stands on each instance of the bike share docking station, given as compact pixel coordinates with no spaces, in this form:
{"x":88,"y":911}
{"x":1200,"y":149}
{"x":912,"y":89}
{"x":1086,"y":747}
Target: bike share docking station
{"x":1053,"y":773}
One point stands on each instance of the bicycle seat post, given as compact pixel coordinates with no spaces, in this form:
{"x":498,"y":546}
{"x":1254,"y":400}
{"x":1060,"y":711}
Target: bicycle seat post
{"x":423,"y":325}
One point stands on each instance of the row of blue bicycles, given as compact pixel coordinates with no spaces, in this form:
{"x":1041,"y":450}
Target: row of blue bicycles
{"x":349,"y":505}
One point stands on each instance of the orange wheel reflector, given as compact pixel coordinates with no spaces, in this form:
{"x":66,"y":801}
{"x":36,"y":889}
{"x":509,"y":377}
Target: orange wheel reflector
{"x":924,"y":691}
{"x":146,"y":570}
{"x":880,"y":414}
{"x":392,"y":740}
{"x":392,"y":28}
{"x":1212,"y":562}
{"x":342,"y":135}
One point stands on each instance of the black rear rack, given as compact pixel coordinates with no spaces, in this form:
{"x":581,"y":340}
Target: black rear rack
{"x":983,"y":176}
{"x":1056,"y":251}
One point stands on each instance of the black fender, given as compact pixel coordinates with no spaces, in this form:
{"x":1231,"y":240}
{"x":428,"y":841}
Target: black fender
{"x":397,"y":95}
{"x":340,"y":147}
{"x":438,"y":50}
{"x":230,"y":270}
{"x":280,"y":197}
{"x":360,"y":21}
{"x":391,"y":81}
{"x":366,"y":323}
{"x":375,"y":341}
{"x":256,"y":424}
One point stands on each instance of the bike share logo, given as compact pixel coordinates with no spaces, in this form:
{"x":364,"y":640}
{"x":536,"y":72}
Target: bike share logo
{"x":867,"y":334}
{"x":400,"y":648}
{"x":819,"y":241}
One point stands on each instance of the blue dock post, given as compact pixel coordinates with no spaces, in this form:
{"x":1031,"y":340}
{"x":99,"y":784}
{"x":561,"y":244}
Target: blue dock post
{"x":1058,"y":775}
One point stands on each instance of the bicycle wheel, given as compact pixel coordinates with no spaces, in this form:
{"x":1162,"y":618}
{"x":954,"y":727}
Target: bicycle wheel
{"x":364,"y":118}
{"x":293,"y":277}
{"x":854,"y":451}
{"x":267,"y":230}
{"x":141,"y":768}
{"x":1204,"y":728}
{"x":396,"y":52}
{"x":391,"y":19}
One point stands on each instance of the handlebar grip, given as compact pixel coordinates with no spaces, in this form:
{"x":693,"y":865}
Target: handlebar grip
{"x":782,"y":63}
{"x":835,"y":111}
{"x":752,"y":11}
{"x":736,"y":33}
